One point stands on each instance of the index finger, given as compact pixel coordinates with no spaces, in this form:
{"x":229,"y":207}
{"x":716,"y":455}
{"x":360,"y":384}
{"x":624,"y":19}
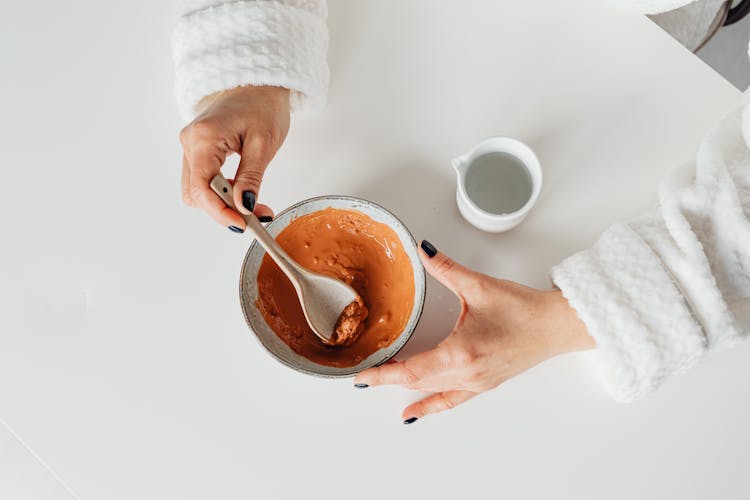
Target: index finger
{"x":203,"y":166}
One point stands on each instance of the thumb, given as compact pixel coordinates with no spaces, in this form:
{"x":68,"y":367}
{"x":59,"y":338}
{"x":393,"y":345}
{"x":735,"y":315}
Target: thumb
{"x":448,"y":272}
{"x":256,"y":153}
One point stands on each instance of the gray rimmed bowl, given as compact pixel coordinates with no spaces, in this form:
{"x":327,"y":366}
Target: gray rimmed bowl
{"x":249,"y":289}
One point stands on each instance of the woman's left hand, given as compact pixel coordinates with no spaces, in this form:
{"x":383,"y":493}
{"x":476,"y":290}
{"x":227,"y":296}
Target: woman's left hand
{"x":504,"y":329}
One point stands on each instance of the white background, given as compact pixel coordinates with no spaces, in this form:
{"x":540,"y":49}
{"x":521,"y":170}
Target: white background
{"x":124,"y":359}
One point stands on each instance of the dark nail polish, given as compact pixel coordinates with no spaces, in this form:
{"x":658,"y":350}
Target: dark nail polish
{"x":265,"y":218}
{"x":235,"y":229}
{"x":361,"y":386}
{"x":248,"y":200}
{"x":410,"y":420}
{"x":428,"y":248}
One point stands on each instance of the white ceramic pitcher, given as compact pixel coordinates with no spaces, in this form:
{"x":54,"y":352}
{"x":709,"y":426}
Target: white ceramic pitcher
{"x":482,"y":219}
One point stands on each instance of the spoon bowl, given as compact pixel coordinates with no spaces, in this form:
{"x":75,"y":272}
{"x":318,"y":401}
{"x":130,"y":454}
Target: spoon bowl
{"x":323,"y":298}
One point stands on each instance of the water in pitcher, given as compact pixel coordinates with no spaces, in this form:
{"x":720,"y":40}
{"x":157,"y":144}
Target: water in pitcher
{"x":498,"y":183}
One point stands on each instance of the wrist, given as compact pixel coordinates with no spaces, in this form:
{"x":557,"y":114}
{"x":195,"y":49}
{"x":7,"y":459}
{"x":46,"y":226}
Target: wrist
{"x":280,"y":95}
{"x":567,"y":332}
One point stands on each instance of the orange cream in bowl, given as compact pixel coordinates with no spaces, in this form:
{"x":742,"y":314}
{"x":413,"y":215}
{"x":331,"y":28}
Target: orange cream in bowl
{"x":350,"y":239}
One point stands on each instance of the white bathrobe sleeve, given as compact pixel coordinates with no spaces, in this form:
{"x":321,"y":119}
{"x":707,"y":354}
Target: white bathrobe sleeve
{"x":661,"y":291}
{"x":218,"y":45}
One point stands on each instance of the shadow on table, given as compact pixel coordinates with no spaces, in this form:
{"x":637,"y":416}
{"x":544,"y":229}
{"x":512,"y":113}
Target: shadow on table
{"x":422,"y":197}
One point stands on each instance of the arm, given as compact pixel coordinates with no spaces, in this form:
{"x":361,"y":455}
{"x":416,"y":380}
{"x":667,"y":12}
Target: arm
{"x":659,"y":292}
{"x":220,"y":44}
{"x":241,"y":68}
{"x":653,"y":295}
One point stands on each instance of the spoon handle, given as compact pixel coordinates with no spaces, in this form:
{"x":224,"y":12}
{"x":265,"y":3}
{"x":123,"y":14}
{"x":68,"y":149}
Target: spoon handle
{"x":221,"y":187}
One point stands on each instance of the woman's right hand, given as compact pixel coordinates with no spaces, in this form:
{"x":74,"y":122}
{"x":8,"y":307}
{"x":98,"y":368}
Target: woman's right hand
{"x":250,"y":121}
{"x":503,"y":330}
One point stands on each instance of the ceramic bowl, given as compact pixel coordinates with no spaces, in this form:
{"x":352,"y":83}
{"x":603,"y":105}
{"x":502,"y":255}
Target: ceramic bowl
{"x":249,"y":289}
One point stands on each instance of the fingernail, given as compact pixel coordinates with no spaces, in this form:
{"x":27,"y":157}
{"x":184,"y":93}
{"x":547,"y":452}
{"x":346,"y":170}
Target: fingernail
{"x":265,"y":218}
{"x":235,"y":229}
{"x":248,"y":200}
{"x":410,"y":420}
{"x":429,"y":249}
{"x":361,"y":386}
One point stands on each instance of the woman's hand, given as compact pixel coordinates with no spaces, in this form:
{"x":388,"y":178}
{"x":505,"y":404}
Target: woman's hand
{"x":504,"y":329}
{"x":251,"y":121}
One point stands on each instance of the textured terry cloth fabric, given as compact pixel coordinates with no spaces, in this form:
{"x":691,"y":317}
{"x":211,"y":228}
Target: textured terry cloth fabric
{"x":221,"y":45}
{"x":656,"y":293}
{"x":659,"y":292}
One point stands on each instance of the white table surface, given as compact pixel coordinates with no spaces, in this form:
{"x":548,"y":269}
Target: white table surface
{"x":23,"y":475}
{"x":125,"y":363}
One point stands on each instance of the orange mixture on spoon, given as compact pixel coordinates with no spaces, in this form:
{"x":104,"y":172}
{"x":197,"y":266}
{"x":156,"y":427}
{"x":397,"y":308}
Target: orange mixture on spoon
{"x":350,"y":324}
{"x":352,"y":247}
